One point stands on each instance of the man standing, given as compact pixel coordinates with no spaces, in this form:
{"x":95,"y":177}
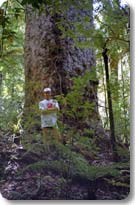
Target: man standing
{"x":49,"y":108}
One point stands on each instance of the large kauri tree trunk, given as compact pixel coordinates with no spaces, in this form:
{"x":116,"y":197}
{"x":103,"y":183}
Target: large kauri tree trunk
{"x":51,"y":60}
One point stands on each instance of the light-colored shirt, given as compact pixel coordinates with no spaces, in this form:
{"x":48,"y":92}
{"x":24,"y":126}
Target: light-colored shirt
{"x":48,"y":120}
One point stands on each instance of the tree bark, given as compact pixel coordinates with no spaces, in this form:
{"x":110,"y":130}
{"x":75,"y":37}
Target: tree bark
{"x":50,"y":59}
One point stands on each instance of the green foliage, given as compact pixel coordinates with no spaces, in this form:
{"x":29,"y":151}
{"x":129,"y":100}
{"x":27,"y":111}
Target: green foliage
{"x":112,"y":19}
{"x":123,"y":152}
{"x":67,"y":163}
{"x":88,"y":144}
{"x":122,"y":179}
{"x":73,"y":165}
{"x":35,"y":3}
{"x":76,"y":106}
{"x":11,"y":66}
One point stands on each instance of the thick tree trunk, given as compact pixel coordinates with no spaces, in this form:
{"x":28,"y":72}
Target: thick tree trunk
{"x":51,"y":60}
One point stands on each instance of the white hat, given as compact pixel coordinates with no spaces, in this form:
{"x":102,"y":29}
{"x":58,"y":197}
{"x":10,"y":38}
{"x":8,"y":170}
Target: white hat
{"x":47,"y":90}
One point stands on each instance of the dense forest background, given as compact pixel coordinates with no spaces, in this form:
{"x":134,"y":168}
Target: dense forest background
{"x":81,"y":50}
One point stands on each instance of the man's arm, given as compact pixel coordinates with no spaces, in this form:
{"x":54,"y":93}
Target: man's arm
{"x":46,"y":111}
{"x":49,"y":111}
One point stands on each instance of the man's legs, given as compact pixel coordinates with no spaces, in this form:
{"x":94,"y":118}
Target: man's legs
{"x":56,"y":134}
{"x":51,"y":134}
{"x":45,"y":134}
{"x":45,"y":138}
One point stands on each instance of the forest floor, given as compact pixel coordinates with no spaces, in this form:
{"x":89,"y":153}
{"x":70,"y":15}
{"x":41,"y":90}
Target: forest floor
{"x":63,"y":172}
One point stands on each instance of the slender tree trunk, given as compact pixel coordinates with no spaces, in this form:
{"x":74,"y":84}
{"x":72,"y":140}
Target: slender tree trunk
{"x":1,"y":79}
{"x":106,"y":105}
{"x":109,"y":95}
{"x":124,"y":110}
